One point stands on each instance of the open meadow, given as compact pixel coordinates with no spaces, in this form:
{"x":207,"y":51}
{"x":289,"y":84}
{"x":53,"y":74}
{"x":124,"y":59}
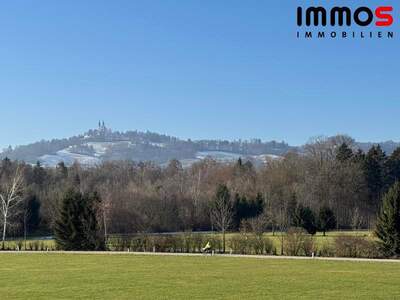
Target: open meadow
{"x":124,"y":276}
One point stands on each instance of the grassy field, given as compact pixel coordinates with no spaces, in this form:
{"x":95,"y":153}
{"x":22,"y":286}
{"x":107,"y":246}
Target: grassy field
{"x":76,"y":276}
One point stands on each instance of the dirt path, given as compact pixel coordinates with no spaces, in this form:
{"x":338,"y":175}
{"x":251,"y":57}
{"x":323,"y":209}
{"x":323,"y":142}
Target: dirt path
{"x":202,"y":255}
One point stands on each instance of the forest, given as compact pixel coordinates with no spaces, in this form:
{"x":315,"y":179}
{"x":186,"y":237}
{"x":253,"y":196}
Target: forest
{"x":331,"y":178}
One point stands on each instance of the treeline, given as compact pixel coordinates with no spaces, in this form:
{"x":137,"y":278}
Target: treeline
{"x":333,"y":185}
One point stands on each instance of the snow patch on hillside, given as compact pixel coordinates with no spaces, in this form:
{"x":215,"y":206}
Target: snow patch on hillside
{"x":159,"y":145}
{"x":68,"y":158}
{"x":102,"y":149}
{"x":228,"y":157}
{"x":265,"y":158}
{"x":219,"y":156}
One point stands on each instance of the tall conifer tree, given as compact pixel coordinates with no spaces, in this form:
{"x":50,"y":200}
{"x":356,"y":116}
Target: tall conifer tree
{"x":344,"y":153}
{"x":77,"y":226}
{"x":388,"y":224}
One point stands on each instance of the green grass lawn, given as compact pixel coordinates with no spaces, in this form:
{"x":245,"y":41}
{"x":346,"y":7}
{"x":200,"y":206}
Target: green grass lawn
{"x":73,"y":276}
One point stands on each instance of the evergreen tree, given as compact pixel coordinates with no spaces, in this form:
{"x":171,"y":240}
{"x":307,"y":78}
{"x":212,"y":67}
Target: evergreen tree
{"x":359,"y":157}
{"x":388,"y":223}
{"x":238,"y":210}
{"x":305,"y":218}
{"x":31,"y":214}
{"x":68,"y":227}
{"x":393,"y":168}
{"x":39,"y":174}
{"x":6,"y":164}
{"x":239,"y":162}
{"x":374,"y":168}
{"x":246,"y":209}
{"x":93,"y":240}
{"x":326,"y":219}
{"x":259,"y":205}
{"x":77,"y":226}
{"x":62,"y":170}
{"x":344,"y":153}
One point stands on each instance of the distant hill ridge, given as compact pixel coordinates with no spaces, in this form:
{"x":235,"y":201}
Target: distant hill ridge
{"x":104,"y":144}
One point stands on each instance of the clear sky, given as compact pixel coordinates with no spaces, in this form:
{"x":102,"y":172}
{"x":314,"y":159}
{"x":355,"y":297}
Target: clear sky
{"x":190,"y":68}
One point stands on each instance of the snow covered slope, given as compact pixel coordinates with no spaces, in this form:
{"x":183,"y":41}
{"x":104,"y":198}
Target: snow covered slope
{"x":68,"y":158}
{"x":103,"y":144}
{"x":100,"y":149}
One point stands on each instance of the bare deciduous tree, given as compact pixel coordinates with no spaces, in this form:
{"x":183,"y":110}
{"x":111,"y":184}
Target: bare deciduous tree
{"x":105,"y":206}
{"x":283,"y":223}
{"x":222,"y":212}
{"x":357,"y":219}
{"x":324,"y":149}
{"x":11,"y":189}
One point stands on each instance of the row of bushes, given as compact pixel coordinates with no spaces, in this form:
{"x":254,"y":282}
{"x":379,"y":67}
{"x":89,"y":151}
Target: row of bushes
{"x":298,"y":243}
{"x":180,"y":243}
{"x":295,"y":243}
{"x":351,"y":246}
{"x":21,"y":245}
{"x":251,"y":244}
{"x":192,"y":243}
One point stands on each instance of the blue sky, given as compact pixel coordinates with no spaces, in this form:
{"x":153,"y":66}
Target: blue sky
{"x":193,"y":69}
